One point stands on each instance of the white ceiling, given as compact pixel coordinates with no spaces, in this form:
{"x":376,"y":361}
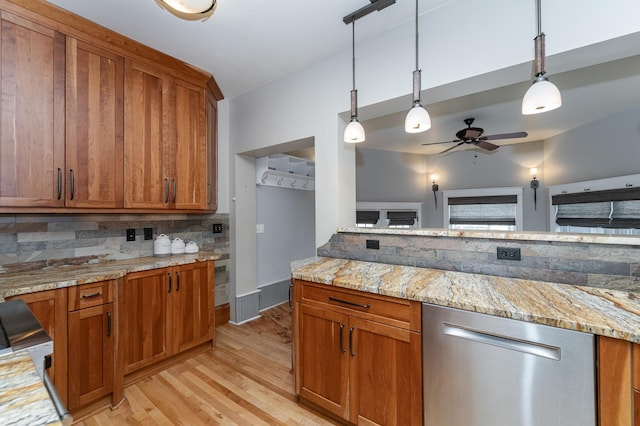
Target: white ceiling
{"x":247,"y":44}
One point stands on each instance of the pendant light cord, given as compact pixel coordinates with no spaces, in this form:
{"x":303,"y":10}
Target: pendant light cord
{"x":539,"y":8}
{"x":353,"y":53}
{"x":417,"y":38}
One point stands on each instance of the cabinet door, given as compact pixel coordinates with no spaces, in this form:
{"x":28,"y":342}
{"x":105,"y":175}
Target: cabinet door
{"x":90,"y":354}
{"x":193,"y":305}
{"x":94,"y":143}
{"x":323,"y":361}
{"x":146,"y":108}
{"x":188,"y":148}
{"x":32,"y":67}
{"x":212,"y":153}
{"x":145,"y":332}
{"x":50,"y":308}
{"x":385,"y":377}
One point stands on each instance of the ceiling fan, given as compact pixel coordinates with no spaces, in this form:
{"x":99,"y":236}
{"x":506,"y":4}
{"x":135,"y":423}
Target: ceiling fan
{"x":473,"y":136}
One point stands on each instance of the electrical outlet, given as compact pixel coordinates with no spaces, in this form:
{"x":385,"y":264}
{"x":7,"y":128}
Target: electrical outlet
{"x":217,"y":228}
{"x":148,"y":233}
{"x":509,"y":253}
{"x":373,"y":244}
{"x":131,"y":234}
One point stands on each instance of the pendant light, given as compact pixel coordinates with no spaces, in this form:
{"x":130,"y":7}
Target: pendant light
{"x":354,"y":132}
{"x":190,"y":10}
{"x":543,"y":95}
{"x":417,"y":119}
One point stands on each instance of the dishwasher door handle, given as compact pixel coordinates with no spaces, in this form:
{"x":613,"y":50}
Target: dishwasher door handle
{"x":532,"y":348}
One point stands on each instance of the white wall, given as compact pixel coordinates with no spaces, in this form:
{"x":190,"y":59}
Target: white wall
{"x":463,"y":39}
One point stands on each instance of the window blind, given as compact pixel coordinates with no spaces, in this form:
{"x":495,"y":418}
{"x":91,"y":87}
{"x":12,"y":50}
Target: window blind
{"x":616,"y":208}
{"x":402,"y":217}
{"x":369,"y":217}
{"x":489,"y":210}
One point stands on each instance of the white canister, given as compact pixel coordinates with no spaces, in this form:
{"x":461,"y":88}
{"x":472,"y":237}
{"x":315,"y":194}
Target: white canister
{"x":177,"y":246}
{"x":191,"y":247}
{"x":162,"y":245}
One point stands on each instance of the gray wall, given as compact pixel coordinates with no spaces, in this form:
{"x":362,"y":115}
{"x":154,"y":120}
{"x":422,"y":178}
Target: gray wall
{"x":605,"y":148}
{"x":288,"y":216}
{"x":601,"y":149}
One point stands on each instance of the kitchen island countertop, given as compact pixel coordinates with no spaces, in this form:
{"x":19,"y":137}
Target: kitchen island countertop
{"x":599,"y":311}
{"x":24,"y":400}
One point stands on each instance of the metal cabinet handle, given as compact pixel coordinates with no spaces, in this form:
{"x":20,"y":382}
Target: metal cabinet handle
{"x":166,"y":191}
{"x":351,"y":352}
{"x":175,"y":191}
{"x":346,"y":302}
{"x":73,"y":183}
{"x":169,"y":283}
{"x":210,"y":194}
{"x":178,"y":285}
{"x":342,"y":349}
{"x":59,"y":183}
{"x":108,"y":324}
{"x":88,"y":296}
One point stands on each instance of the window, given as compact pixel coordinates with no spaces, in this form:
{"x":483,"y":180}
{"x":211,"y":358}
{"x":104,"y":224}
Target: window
{"x":602,"y":206}
{"x":388,"y":215}
{"x":486,"y":209}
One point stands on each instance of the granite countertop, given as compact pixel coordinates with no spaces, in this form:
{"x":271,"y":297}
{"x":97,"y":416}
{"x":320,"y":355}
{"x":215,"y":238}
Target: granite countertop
{"x":23,"y":398}
{"x":567,"y":237}
{"x":66,"y":276}
{"x":593,"y":310}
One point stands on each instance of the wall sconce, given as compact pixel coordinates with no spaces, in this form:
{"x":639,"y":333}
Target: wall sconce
{"x":534,"y":184}
{"x":434,"y":188}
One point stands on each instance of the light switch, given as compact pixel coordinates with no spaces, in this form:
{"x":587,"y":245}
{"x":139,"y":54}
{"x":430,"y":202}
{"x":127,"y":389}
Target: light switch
{"x":260,"y":228}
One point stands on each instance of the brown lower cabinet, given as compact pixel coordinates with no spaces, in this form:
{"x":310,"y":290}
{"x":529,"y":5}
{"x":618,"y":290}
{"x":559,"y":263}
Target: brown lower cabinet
{"x":91,"y":357}
{"x":358,"y":356}
{"x":164,"y":312}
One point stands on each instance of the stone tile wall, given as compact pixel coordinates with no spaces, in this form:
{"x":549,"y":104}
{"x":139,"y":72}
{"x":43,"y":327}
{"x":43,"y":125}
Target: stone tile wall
{"x":595,"y":265}
{"x":29,"y":242}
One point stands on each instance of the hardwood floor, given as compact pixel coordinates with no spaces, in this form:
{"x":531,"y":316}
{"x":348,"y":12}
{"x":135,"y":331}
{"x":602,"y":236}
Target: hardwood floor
{"x":245,"y":380}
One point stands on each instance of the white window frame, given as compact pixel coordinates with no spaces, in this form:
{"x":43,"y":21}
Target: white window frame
{"x":484,"y":192}
{"x":384,"y":207}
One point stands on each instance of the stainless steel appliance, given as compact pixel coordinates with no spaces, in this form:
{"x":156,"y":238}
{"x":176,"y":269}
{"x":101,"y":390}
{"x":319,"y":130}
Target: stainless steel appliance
{"x":482,"y":370}
{"x":21,"y":331}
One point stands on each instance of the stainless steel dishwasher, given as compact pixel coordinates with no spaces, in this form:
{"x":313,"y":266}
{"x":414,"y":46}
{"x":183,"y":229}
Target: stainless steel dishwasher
{"x":482,"y":370}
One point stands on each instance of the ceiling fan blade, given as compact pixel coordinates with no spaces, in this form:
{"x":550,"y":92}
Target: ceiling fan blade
{"x":453,"y":147}
{"x":505,"y":136}
{"x":486,"y":145}
{"x":438,"y":143}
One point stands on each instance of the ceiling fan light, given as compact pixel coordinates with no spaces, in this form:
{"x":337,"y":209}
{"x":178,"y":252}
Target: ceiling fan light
{"x":190,"y":10}
{"x":542,"y":96}
{"x":417,"y":120}
{"x":354,"y":132}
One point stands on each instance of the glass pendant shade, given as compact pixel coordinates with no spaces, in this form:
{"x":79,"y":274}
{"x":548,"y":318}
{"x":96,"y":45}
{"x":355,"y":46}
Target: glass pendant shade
{"x":189,"y":9}
{"x":417,"y":120}
{"x":542,"y":96}
{"x":354,"y":132}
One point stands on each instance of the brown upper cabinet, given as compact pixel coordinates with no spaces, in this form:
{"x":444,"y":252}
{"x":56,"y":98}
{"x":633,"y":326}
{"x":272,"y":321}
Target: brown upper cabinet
{"x":32,"y":67}
{"x":93,"y":121}
{"x":94,"y":139}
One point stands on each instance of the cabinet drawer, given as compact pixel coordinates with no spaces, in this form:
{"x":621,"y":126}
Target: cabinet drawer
{"x":389,"y":310}
{"x":88,"y":295}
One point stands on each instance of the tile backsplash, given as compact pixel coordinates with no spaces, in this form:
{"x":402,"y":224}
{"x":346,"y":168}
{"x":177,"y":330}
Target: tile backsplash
{"x":35,"y":241}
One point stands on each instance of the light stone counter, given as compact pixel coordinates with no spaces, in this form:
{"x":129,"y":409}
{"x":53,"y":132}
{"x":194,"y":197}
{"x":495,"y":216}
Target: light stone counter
{"x":564,"y":237}
{"x":23,"y":398}
{"x":67,"y":276}
{"x":593,"y":310}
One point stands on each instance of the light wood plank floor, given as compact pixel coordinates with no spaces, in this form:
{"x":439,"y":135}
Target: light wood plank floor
{"x":245,"y":380}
